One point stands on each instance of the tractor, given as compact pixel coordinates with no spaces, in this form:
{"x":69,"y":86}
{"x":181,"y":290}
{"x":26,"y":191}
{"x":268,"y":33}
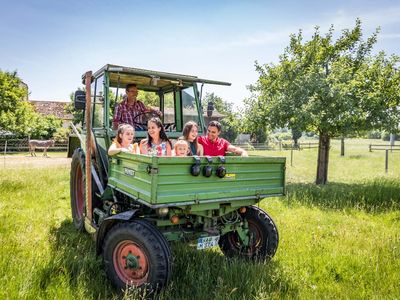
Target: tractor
{"x":134,"y":206}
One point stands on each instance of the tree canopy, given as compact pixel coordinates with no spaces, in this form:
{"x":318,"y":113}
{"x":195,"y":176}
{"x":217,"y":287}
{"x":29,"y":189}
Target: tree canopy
{"x":329,"y":87}
{"x":17,"y":114}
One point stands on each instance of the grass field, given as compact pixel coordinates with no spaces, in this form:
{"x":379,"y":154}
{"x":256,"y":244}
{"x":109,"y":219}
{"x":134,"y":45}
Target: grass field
{"x":337,"y":241}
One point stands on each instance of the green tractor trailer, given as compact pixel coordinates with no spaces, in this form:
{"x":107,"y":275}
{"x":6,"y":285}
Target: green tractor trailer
{"x":135,"y":205}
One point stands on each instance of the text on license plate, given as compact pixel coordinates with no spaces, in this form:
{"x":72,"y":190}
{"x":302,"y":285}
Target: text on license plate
{"x":207,"y":242}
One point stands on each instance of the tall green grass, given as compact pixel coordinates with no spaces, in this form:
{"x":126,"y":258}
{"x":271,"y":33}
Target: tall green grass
{"x":337,"y":241}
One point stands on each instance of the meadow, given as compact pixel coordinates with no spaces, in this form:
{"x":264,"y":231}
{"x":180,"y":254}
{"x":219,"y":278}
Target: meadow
{"x":337,"y":241}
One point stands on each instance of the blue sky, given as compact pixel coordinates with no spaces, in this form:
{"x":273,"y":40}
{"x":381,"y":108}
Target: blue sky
{"x":52,"y":43}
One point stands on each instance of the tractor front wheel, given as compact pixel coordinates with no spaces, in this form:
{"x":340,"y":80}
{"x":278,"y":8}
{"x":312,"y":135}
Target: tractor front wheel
{"x":77,"y":189}
{"x":136,"y":254}
{"x":263,"y":237}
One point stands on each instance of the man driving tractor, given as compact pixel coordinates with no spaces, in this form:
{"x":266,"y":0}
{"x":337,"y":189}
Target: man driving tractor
{"x":131,"y":110}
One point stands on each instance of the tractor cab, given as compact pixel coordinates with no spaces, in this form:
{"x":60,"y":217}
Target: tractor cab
{"x":176,"y":96}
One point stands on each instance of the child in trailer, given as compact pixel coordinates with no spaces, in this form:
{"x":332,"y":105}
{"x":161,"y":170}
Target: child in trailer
{"x":181,"y":148}
{"x":123,"y":141}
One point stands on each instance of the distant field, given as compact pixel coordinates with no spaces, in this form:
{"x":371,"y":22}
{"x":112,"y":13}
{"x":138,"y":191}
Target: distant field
{"x":337,"y":241}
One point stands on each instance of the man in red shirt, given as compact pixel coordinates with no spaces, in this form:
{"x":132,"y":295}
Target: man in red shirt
{"x":214,"y":145}
{"x":130,"y":110}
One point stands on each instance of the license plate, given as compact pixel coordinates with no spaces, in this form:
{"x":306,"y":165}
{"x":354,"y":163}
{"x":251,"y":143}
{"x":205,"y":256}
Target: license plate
{"x":207,"y":242}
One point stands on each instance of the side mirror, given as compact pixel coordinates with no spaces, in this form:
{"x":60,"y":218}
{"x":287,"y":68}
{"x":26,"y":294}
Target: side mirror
{"x":80,"y":100}
{"x":210,"y":109}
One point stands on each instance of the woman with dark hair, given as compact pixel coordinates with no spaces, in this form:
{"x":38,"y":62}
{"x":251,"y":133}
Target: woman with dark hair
{"x":190,"y":132}
{"x":157,"y":142}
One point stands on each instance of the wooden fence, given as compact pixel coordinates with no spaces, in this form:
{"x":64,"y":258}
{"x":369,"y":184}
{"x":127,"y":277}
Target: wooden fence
{"x":278,"y":146}
{"x":383,"y":147}
{"x":21,"y":145}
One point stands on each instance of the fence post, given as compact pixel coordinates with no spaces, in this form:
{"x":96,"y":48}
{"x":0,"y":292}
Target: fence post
{"x":386,"y":160}
{"x":5,"y":151}
{"x":370,"y":150}
{"x":291,"y":157}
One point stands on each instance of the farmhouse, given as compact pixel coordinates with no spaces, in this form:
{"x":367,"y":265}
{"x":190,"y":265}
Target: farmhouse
{"x":56,"y":108}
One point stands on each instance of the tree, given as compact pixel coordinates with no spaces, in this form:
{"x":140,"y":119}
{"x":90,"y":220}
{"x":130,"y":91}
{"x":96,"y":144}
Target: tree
{"x":151,"y":99}
{"x":330,"y":87}
{"x":61,"y":134}
{"x":45,"y":126}
{"x":16,"y":114}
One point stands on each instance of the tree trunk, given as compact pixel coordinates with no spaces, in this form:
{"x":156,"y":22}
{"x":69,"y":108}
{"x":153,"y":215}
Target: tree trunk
{"x":296,"y":144}
{"x":323,"y":158}
{"x":342,"y":146}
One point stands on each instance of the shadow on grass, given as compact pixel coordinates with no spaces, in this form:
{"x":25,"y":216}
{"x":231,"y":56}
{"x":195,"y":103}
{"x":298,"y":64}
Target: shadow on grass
{"x":375,"y":196}
{"x":207,"y":274}
{"x":196,"y":274}
{"x":74,"y":265}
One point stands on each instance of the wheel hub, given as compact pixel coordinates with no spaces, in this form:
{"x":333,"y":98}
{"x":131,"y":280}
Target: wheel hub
{"x":131,"y":263}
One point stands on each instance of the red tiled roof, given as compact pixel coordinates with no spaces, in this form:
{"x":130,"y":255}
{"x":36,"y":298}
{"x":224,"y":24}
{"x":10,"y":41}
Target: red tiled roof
{"x":55,"y":108}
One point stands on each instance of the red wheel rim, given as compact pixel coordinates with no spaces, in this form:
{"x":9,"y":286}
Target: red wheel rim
{"x":79,"y":194}
{"x":131,"y":263}
{"x":256,"y":243}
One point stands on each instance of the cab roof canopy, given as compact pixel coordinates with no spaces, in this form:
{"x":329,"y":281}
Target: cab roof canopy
{"x":149,"y":80}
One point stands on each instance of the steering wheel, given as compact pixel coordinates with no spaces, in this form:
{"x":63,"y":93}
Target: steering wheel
{"x":140,"y":120}
{"x":169,"y":127}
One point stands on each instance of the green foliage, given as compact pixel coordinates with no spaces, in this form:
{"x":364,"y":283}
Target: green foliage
{"x":259,"y":135}
{"x":282,"y":136}
{"x":230,"y":123}
{"x":150,"y":99}
{"x":45,"y":127}
{"x":330,"y":87}
{"x":17,"y":115}
{"x":374,"y":134}
{"x":220,"y":105}
{"x":61,"y":134}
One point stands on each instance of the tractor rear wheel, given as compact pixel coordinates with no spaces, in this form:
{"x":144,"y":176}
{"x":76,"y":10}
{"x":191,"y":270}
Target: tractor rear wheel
{"x":136,"y":254}
{"x":263,"y":237}
{"x":77,"y":189}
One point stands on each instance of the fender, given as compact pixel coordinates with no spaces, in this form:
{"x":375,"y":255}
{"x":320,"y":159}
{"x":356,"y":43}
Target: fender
{"x":108,"y":223}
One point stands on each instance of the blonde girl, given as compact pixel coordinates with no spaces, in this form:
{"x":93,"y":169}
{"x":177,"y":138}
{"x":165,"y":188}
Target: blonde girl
{"x":123,"y":141}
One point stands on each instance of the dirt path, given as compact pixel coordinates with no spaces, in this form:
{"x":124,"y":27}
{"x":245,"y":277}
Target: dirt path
{"x":17,"y":161}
